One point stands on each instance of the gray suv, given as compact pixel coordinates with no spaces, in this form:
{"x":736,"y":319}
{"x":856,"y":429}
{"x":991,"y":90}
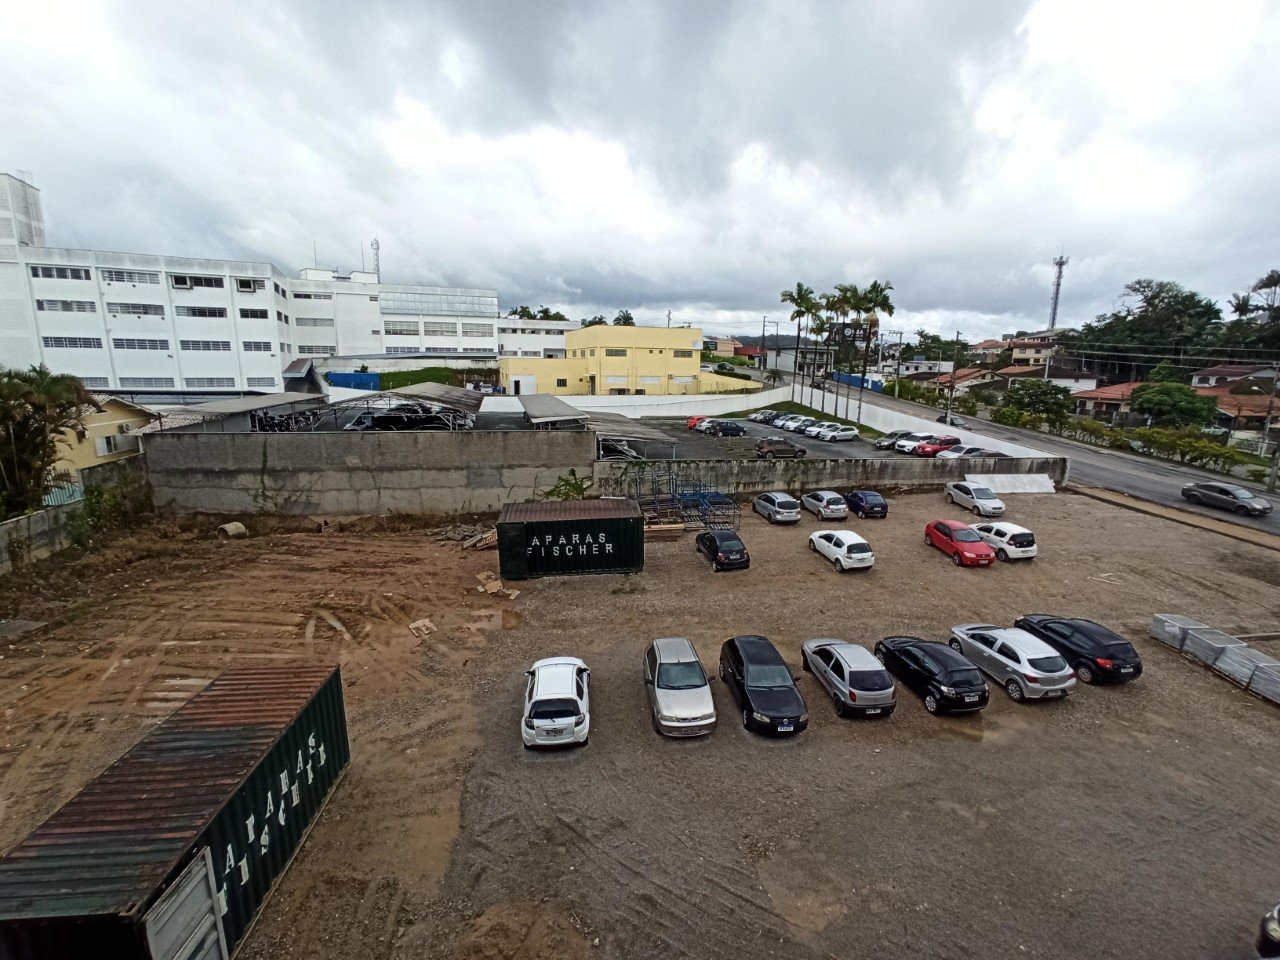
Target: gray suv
{"x":679,"y":689}
{"x":771,"y":447}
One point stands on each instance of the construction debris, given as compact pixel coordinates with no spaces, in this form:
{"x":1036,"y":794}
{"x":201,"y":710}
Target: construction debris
{"x":471,"y":536}
{"x":422,"y":628}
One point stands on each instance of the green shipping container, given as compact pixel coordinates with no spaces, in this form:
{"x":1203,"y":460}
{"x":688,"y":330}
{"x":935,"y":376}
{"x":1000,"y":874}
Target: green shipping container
{"x":557,"y":538}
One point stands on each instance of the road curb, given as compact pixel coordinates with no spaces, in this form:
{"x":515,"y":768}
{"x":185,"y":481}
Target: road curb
{"x":1258,"y":538}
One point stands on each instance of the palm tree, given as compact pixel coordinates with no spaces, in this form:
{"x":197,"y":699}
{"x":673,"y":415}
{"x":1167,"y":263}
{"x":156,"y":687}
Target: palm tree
{"x":1242,"y":305}
{"x":875,"y":301}
{"x":805,"y":307}
{"x":848,"y":300}
{"x":36,"y":407}
{"x":773,"y":377}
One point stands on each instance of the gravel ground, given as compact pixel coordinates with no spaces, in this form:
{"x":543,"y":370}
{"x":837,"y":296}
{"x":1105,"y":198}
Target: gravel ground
{"x":1128,"y":822}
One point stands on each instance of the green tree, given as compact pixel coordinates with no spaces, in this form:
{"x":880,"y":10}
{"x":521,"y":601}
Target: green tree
{"x":1166,"y":372}
{"x":773,"y":377}
{"x":1174,"y":405}
{"x":597,"y":321}
{"x":542,"y":313}
{"x":805,"y":307}
{"x":36,"y":407}
{"x":1042,"y":400}
{"x":624,"y":319}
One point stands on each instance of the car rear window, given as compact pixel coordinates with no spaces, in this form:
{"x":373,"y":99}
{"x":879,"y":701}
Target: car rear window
{"x":728,"y":544}
{"x":1048,"y":664}
{"x":964,"y":678}
{"x":869,"y":680}
{"x":788,"y":505}
{"x":1119,"y":651}
{"x":553,"y":709}
{"x":858,"y":548}
{"x":872,"y":498}
{"x":1022,"y":540}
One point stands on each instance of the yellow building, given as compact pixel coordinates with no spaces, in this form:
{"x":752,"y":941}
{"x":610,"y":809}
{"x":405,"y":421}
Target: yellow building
{"x":104,"y":434}
{"x":609,"y":360}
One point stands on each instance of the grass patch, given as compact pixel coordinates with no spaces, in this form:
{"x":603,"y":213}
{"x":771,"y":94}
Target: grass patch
{"x":446,"y":375}
{"x":787,"y":406}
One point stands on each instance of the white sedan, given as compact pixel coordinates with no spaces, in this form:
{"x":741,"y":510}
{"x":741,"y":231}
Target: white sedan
{"x":839,"y":433}
{"x":825,"y":504}
{"x":958,"y":451}
{"x":844,"y":548}
{"x":813,"y":429}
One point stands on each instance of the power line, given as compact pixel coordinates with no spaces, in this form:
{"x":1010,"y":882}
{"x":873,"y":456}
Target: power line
{"x":1128,"y":355}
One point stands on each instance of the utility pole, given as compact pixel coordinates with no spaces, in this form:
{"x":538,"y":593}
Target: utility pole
{"x":1266,"y":435}
{"x":1058,"y":262}
{"x":764,"y":350}
{"x":897,"y":369}
{"x":955,"y":368}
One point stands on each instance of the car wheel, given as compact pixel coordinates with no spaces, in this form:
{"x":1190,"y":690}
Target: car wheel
{"x":838,"y":703}
{"x":880,"y":656}
{"x":1001,"y":554}
{"x":768,"y":456}
{"x":835,"y":565}
{"x":1085,"y":673}
{"x":955,"y":645}
{"x":1193,"y":498}
{"x":804,"y":663}
{"x":955,"y":558}
{"x":927,"y":541}
{"x":950,"y":498}
{"x":976,"y":512}
{"x":724,"y":674}
{"x":1014,"y":689}
{"x":859,"y":514}
{"x":812,"y":547}
{"x":527,"y":746}
{"x":1242,"y":511}
{"x":931,"y":703}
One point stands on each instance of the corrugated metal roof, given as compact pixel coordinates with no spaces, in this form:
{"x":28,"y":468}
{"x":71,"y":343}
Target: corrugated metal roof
{"x":107,"y":848}
{"x":545,"y":408}
{"x":261,"y":401}
{"x":456,"y":397}
{"x":604,"y":509}
{"x":624,"y":428}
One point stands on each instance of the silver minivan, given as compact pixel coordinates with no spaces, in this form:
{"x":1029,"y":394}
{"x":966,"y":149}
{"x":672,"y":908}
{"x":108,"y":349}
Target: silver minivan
{"x":679,"y":689}
{"x":1026,"y":666}
{"x":777,"y":507}
{"x":856,"y":681}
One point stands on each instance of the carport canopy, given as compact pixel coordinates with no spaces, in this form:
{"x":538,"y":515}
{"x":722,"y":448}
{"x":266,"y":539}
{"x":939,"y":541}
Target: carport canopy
{"x":468,"y":401}
{"x":548,"y":412}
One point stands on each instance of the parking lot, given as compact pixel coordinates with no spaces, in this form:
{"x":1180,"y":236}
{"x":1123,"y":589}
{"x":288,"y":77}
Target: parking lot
{"x":695,"y":445}
{"x":1135,"y":821}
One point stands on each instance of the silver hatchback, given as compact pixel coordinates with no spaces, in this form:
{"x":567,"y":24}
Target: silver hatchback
{"x":1026,"y":666}
{"x":856,"y":681}
{"x":679,"y":689}
{"x":777,"y":507}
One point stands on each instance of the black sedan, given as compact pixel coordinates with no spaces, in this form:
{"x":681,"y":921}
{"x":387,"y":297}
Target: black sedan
{"x":724,"y":548}
{"x":1227,"y":496}
{"x":866,"y":503}
{"x":946,"y":680}
{"x":763,"y":685}
{"x":1095,"y":653}
{"x":727,"y":428}
{"x":1269,"y":934}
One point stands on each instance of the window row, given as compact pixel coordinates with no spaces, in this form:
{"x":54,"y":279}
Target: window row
{"x":146,"y":383}
{"x":204,"y":382}
{"x":477,"y":330}
{"x":201,"y":311}
{"x":313,"y":296}
{"x":137,"y":309}
{"x":130,"y":276}
{"x":62,"y":273}
{"x":254,"y":313}
{"x":182,"y":281}
{"x":317,"y":350}
{"x":261,"y":381}
{"x":72,"y":343}
{"x":209,"y":346}
{"x":313,"y":321}
{"x":67,"y":306}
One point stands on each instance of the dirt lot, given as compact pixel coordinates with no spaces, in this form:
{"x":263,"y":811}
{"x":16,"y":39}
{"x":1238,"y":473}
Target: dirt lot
{"x":1135,"y":822}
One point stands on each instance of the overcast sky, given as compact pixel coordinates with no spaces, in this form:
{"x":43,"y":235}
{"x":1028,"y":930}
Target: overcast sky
{"x":693,"y":157}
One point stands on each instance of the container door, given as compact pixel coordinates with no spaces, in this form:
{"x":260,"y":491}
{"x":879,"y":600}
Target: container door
{"x":513,"y":551}
{"x":184,"y":924}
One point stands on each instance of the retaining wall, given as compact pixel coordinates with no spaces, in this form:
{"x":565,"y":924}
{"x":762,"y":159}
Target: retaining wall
{"x":685,"y":405}
{"x":356,"y":473}
{"x":797,"y":476}
{"x":36,"y":535}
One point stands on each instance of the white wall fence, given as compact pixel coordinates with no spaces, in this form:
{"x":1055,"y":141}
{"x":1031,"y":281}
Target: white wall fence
{"x":711,"y":404}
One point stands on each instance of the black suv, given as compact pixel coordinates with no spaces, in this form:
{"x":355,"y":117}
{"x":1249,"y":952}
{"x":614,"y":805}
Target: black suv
{"x":763,"y":685}
{"x":947,"y":681}
{"x":866,"y":503}
{"x":724,"y":548}
{"x":1095,"y":653}
{"x":771,"y":447}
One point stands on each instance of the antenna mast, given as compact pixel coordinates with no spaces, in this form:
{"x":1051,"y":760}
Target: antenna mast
{"x":377,"y":266}
{"x":1058,"y":262}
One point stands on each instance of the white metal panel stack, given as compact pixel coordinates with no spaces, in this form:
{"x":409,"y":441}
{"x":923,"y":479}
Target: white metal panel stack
{"x":1206,"y":645}
{"x":1171,"y":629}
{"x":1238,"y":664}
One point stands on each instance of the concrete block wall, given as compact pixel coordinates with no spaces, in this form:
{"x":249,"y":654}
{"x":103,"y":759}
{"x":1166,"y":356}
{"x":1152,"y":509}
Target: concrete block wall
{"x":797,"y":476}
{"x":356,"y":473}
{"x":36,"y":535}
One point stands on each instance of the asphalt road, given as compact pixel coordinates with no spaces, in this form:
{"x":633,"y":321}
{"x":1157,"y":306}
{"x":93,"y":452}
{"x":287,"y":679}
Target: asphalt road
{"x":694,"y":445}
{"x":1138,"y":476}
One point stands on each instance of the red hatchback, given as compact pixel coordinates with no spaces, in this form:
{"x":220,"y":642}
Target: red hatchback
{"x":960,"y":542}
{"x":694,"y":421}
{"x":933,"y":447}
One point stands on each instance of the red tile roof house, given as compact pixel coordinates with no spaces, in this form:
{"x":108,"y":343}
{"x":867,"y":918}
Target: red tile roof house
{"x":965,"y":378}
{"x":1230,"y":372}
{"x":1105,"y":403}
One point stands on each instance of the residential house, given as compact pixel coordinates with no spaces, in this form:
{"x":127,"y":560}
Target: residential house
{"x":1073,"y":380}
{"x":961,"y":381}
{"x":721,"y":346}
{"x":1231,"y":372}
{"x":106,"y":433}
{"x":1106,"y":403}
{"x":987,"y":350}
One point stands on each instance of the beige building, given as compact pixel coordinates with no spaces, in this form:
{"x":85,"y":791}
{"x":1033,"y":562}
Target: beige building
{"x":609,"y":360}
{"x":105,"y":434}
{"x":721,"y":346}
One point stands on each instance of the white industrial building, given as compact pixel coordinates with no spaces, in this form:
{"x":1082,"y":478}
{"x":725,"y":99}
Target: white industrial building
{"x":134,"y":323}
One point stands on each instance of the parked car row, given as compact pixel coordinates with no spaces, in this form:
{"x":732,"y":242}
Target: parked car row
{"x":828,"y":430}
{"x":943,"y":445}
{"x":1040,"y":657}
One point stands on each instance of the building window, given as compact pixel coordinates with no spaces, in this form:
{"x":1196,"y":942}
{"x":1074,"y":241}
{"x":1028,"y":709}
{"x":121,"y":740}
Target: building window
{"x":312,"y":296}
{"x":137,"y":309}
{"x":201,"y":311}
{"x":188,"y":282}
{"x":316,"y":349}
{"x":562,"y":383}
{"x":67,"y":306}
{"x":280,"y":292}
{"x":73,"y":343}
{"x":477,"y":330}
{"x":254,"y":313}
{"x":95,"y":383}
{"x":129,"y":343}
{"x":476,"y":350}
{"x":62,"y":273}
{"x":249,"y":285}
{"x":146,"y":383}
{"x":614,"y":352}
{"x":257,"y":346}
{"x":215,"y":346}
{"x":261,"y":381}
{"x":315,"y":322}
{"x":400,"y":328}
{"x":404,"y":350}
{"x":439,"y":328}
{"x":285,"y":348}
{"x":682,"y":354}
{"x":130,"y":276}
{"x":530,"y":353}
{"x":210,"y":382}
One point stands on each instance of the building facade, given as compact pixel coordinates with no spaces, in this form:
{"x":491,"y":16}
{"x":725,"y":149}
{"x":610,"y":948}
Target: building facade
{"x":618,"y":361}
{"x":137,"y":323}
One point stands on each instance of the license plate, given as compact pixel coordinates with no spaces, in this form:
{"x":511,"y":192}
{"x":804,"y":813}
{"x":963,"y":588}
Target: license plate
{"x":785,"y":728}
{"x":1126,"y":669}
{"x":552,"y":733}
{"x":971,"y":698}
{"x":873,"y":710}
{"x":1053,"y":693}
{"x":983,"y":563}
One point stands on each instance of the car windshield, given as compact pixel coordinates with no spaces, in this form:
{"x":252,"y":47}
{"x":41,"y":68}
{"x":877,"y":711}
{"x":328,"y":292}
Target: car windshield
{"x":966,"y":536}
{"x":982,"y":493}
{"x":1240,"y":493}
{"x":680,"y":676}
{"x":763,"y":676}
{"x":858,"y":548}
{"x":1048,"y":664}
{"x":964,"y":678}
{"x":869,"y":680}
{"x":553,"y":709}
{"x":788,"y":505}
